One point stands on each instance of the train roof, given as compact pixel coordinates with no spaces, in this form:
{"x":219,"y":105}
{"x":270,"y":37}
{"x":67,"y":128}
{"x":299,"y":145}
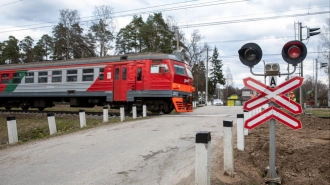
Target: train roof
{"x":112,"y":58}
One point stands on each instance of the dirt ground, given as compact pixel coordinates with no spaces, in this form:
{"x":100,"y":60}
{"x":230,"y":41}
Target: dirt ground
{"x":302,"y":156}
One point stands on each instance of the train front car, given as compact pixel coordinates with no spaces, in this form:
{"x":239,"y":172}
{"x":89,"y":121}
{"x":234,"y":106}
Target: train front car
{"x":182,"y":87}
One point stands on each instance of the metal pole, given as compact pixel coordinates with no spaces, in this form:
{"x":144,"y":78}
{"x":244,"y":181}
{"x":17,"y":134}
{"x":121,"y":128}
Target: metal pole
{"x":315,"y":83}
{"x":272,"y":150}
{"x":207,"y":74}
{"x":177,"y":39}
{"x":301,"y":67}
{"x":329,"y":80}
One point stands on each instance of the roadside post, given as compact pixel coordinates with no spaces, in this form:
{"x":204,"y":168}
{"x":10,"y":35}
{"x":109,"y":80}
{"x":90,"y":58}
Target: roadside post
{"x":122,"y":113}
{"x":51,"y":123}
{"x":144,"y":110}
{"x":202,"y":158}
{"x":12,"y":130}
{"x":240,"y":132}
{"x":105,"y":114}
{"x":82,"y":118}
{"x":134,"y":111}
{"x":250,"y":54}
{"x":246,"y":116}
{"x":228,"y":153}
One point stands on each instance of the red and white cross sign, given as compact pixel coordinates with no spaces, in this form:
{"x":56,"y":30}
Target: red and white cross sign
{"x":272,"y":112}
{"x":267,"y":94}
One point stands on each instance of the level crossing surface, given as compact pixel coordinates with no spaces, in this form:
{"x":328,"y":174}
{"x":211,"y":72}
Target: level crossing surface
{"x":157,"y":150}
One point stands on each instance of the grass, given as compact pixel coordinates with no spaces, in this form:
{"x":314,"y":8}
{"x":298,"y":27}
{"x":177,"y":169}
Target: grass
{"x":33,"y":127}
{"x":318,"y":112}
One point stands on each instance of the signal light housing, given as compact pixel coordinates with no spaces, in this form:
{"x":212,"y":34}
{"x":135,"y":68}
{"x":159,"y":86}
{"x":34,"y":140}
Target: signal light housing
{"x":294,"y":52}
{"x":250,"y":54}
{"x":311,"y":32}
{"x":272,"y":69}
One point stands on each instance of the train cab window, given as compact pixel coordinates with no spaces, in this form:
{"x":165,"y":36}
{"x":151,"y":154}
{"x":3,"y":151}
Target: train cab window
{"x":5,"y":78}
{"x":42,"y":77}
{"x":56,"y":76}
{"x":179,"y":70}
{"x":124,"y":75}
{"x":160,"y":68}
{"x":71,"y":75}
{"x":139,"y":74}
{"x":17,"y":78}
{"x":101,"y":77}
{"x":29,"y":77}
{"x":88,"y":75}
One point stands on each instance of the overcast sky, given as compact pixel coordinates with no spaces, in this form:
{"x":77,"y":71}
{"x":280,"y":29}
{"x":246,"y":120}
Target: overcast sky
{"x":228,"y":24}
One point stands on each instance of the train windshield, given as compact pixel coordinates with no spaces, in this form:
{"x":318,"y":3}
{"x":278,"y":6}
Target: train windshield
{"x":189,"y":73}
{"x":180,"y":70}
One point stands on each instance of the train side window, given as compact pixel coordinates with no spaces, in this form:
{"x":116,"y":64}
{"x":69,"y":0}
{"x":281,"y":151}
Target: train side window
{"x":42,"y":77}
{"x":179,"y":70}
{"x":56,"y":76}
{"x":17,"y":78}
{"x":71,"y":75}
{"x":101,"y":77}
{"x":88,"y":75}
{"x":5,"y":78}
{"x":154,"y":69}
{"x":29,"y":77}
{"x":139,"y":74}
{"x":124,"y":71}
{"x":116,"y":73}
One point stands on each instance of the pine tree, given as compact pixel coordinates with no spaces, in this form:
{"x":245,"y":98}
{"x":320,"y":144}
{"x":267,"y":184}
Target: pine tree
{"x":216,"y":76}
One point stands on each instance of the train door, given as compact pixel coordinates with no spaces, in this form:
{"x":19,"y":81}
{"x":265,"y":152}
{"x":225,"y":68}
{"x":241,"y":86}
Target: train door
{"x":139,"y":77}
{"x":120,"y":83}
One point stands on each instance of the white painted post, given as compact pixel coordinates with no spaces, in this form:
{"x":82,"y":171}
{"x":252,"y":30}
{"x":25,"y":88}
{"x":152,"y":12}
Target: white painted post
{"x":12,"y":130}
{"x":51,"y":123}
{"x":122,"y":113}
{"x":246,"y":116}
{"x":134,"y":111}
{"x":144,"y":110}
{"x":82,"y":117}
{"x":228,"y":153}
{"x":240,"y":132}
{"x":202,"y":157}
{"x":105,"y":114}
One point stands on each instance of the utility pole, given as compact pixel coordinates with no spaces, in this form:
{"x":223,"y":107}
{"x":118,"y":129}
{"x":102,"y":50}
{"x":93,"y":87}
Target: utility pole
{"x":177,"y":39}
{"x":329,"y":80}
{"x":301,"y":67}
{"x":207,"y":74}
{"x":315,"y":83}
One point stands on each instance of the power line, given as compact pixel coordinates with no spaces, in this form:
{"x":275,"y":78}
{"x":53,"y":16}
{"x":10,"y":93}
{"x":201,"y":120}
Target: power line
{"x":10,"y":3}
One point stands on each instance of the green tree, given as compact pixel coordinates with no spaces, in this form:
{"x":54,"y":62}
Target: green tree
{"x":216,"y":76}
{"x":10,"y":51}
{"x":102,"y":30}
{"x":26,"y":48}
{"x":44,"y":48}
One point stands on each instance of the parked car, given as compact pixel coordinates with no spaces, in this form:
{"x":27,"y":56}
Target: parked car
{"x":217,"y":102}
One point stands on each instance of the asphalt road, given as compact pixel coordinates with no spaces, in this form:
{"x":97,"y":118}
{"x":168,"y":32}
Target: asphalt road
{"x":158,"y":150}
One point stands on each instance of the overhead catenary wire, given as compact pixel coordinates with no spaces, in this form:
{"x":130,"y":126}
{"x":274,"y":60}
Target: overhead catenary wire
{"x":10,"y":3}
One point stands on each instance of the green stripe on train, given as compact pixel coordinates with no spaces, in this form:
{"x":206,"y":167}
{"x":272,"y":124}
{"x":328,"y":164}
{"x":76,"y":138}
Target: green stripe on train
{"x":13,"y":83}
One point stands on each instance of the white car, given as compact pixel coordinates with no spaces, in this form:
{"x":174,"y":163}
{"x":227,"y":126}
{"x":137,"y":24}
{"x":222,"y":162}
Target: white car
{"x":217,"y":102}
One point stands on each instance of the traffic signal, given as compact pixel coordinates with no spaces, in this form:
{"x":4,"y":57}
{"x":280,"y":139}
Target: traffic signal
{"x":324,"y":65}
{"x":311,"y":32}
{"x":294,"y":52}
{"x":250,"y":54}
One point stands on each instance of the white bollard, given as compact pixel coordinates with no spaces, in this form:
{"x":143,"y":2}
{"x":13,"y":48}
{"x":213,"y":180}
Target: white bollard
{"x":51,"y":123}
{"x":246,"y":116}
{"x":122,"y":113}
{"x":228,"y":153}
{"x":105,"y":114}
{"x":134,"y":111}
{"x":12,"y":130}
{"x":240,"y":132}
{"x":144,"y":110}
{"x":202,"y":157}
{"x":82,"y":117}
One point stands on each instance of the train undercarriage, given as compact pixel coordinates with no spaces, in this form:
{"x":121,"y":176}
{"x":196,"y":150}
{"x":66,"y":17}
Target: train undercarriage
{"x":154,"y":105}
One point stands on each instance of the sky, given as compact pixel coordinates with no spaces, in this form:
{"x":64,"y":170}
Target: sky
{"x":225,"y":24}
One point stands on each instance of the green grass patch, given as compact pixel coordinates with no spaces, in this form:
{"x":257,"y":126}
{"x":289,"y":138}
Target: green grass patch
{"x":318,"y":112}
{"x":35,"y":126}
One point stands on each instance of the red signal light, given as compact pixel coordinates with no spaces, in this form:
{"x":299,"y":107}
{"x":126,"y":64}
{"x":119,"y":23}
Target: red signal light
{"x":294,"y":51}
